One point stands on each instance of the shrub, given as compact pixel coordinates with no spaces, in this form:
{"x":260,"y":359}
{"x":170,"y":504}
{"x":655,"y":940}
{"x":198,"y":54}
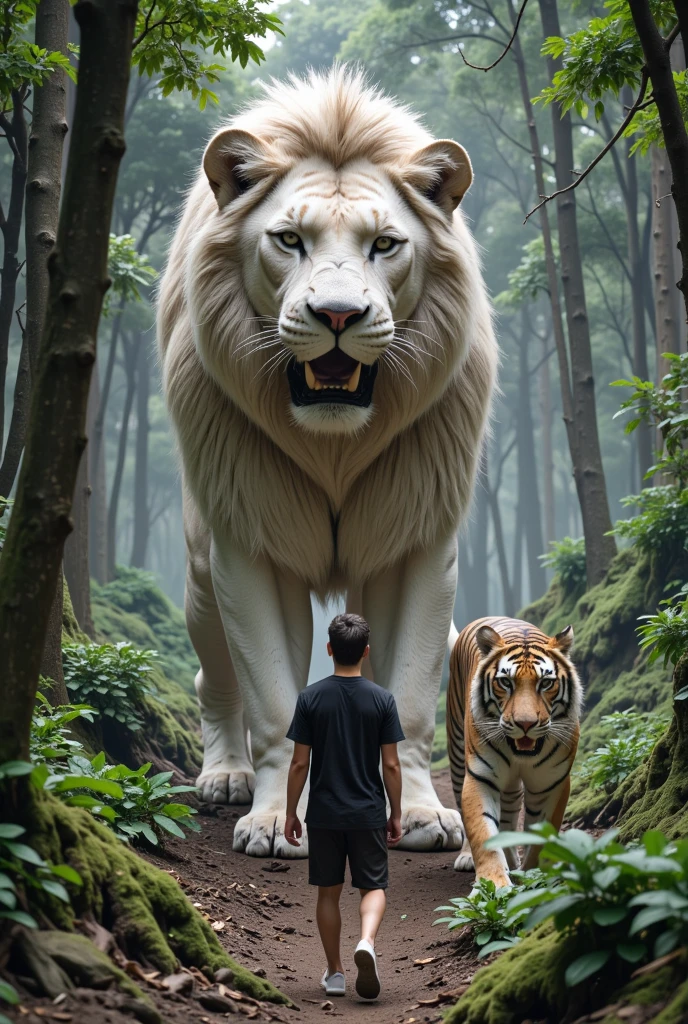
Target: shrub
{"x":567,"y":559}
{"x":614,"y":902}
{"x":486,"y":912}
{"x":665,"y":634}
{"x":633,"y":735}
{"x":661,"y":527}
{"x":111,"y":677}
{"x":50,"y":737}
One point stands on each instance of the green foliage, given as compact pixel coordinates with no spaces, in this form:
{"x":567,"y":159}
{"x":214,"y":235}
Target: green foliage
{"x":633,"y":734}
{"x":665,"y":633}
{"x":8,"y":994}
{"x":113,"y":677}
{"x":127,"y":269}
{"x":661,"y":527}
{"x":127,"y":800}
{"x":21,"y":62}
{"x":665,"y":407}
{"x":172,"y":37}
{"x":486,"y":912}
{"x":23,"y":872}
{"x":616,"y":903}
{"x":529,"y":278}
{"x":647,"y":125}
{"x":566,"y":558}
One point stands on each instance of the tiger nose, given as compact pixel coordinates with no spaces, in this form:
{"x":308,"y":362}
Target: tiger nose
{"x":338,"y":319}
{"x":525,"y":725}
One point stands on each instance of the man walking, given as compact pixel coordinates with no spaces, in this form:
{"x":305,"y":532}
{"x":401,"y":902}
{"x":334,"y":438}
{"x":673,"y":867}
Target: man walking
{"x":343,"y":727}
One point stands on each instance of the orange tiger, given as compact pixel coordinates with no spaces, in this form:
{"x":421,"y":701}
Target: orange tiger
{"x":513,"y":709}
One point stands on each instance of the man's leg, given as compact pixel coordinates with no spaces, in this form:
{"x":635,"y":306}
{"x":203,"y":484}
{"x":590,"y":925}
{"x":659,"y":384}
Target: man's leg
{"x":329,"y":921}
{"x":372,"y":910}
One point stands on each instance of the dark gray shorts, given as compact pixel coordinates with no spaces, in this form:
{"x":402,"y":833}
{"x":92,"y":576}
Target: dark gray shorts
{"x":366,"y":849}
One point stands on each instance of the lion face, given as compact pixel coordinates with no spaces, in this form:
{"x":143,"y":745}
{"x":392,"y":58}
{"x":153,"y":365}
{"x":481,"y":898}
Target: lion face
{"x":334,"y":260}
{"x":337,"y":258}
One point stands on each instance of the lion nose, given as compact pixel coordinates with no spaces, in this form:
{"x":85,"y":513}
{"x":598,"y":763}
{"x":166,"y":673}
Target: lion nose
{"x":526,"y":724}
{"x":338,"y":319}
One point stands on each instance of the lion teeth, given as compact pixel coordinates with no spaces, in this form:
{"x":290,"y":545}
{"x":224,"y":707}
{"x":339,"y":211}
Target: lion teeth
{"x":310,"y":376}
{"x":354,"y":379}
{"x":317,"y":385}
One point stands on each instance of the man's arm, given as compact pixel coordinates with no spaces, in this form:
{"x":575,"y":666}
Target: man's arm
{"x":391,"y":776}
{"x":298,"y":773}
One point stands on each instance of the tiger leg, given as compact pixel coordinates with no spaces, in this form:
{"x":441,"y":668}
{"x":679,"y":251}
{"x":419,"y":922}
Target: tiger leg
{"x":480,"y":806}
{"x":511,"y":803}
{"x":552,"y":810}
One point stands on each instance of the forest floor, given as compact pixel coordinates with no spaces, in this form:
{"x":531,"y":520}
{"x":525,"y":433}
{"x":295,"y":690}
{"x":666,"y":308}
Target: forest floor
{"x":264,"y":915}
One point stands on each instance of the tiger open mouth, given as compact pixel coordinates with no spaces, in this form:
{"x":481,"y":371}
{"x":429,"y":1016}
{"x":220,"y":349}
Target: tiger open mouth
{"x":334,"y":378}
{"x":526,"y":745}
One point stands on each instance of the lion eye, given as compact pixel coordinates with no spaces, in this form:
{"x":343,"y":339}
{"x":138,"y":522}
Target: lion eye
{"x":384,"y":244}
{"x":290,"y":239}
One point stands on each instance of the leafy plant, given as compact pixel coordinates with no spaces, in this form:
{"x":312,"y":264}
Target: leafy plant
{"x":23,"y":870}
{"x":112,"y":677}
{"x":567,"y":560}
{"x":665,"y":634}
{"x":612,"y":902}
{"x":661,"y":527}
{"x":128,"y":270}
{"x":8,"y":994}
{"x":633,"y":735}
{"x":50,"y":737}
{"x":486,"y":912}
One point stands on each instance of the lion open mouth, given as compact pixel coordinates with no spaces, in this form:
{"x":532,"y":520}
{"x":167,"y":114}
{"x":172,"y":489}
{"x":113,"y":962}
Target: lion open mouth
{"x":332,"y":378}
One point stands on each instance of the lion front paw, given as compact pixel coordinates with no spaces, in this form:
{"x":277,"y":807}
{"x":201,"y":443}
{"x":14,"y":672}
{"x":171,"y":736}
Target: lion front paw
{"x":262,"y":835}
{"x":431,"y":828}
{"x":222,"y":785}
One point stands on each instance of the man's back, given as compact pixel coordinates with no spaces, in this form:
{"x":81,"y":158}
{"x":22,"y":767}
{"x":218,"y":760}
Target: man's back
{"x":345,"y":720}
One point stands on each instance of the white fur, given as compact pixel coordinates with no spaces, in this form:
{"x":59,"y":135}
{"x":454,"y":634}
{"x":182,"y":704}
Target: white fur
{"x":339,"y":164}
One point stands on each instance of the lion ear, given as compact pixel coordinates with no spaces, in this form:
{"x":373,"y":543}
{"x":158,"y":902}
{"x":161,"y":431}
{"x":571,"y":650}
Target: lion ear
{"x":232,"y":163}
{"x":442,"y":172}
{"x":488,"y":640}
{"x":564,"y":640}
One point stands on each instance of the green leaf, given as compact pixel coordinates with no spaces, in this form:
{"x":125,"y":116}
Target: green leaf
{"x":552,"y":908}
{"x":631,"y":952}
{"x":605,"y":916}
{"x":56,"y":889}
{"x":647,"y":917}
{"x":67,"y":873}
{"x":105,"y":786}
{"x":19,"y":917}
{"x":169,"y":825}
{"x":8,"y":898}
{"x":11,"y":831}
{"x":25,"y":853}
{"x":9,"y":993}
{"x":13,"y":769}
{"x":505,"y":840}
{"x":584,"y":966}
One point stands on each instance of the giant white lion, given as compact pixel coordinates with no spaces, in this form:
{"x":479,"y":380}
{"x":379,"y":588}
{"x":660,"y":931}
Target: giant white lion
{"x":328,"y":360}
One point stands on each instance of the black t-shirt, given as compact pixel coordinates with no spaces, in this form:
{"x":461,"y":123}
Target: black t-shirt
{"x":345,"y":720}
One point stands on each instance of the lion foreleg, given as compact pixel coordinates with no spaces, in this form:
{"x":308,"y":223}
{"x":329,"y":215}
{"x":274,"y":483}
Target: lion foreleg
{"x":409,"y":609}
{"x":268,"y":623}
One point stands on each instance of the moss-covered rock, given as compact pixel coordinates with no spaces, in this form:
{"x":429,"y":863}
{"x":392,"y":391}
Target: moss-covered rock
{"x":143,"y":907}
{"x":132,"y":607}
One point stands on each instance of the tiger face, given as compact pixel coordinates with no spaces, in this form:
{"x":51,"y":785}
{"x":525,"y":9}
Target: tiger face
{"x":525,"y":692}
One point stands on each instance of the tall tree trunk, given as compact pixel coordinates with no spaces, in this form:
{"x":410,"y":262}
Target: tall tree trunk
{"x":507,"y":593}
{"x":97,"y":506}
{"x":20,"y":416}
{"x":51,"y":661}
{"x":545,"y":388}
{"x":32,"y":554}
{"x":529,"y":497}
{"x":130,"y":360}
{"x":637,"y":272}
{"x":76,"y":552}
{"x":141,"y":509}
{"x":664,"y":236}
{"x":10,"y":226}
{"x":588,"y":470}
{"x":658,"y":64}
{"x":517,"y":556}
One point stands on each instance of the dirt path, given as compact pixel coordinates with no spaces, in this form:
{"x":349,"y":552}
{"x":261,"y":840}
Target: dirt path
{"x":269,"y":923}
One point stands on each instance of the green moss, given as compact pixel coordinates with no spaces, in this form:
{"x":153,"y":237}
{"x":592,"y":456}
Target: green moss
{"x":527,"y":980}
{"x":132,"y":607}
{"x":666,"y":988}
{"x":141,"y":905}
{"x":585,"y":803}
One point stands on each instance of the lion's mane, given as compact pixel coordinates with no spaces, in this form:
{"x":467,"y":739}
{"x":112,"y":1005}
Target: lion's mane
{"x":334,"y":509}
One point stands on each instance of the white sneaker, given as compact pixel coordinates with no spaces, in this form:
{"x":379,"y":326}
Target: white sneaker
{"x":334,"y":984}
{"x":368,"y":980}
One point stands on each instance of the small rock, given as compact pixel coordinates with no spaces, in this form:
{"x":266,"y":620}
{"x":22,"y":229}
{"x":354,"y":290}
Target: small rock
{"x":260,"y":972}
{"x":178,"y":983}
{"x":327,"y":1005}
{"x":225,"y":976}
{"x":276,"y":866}
{"x":217,"y":1004}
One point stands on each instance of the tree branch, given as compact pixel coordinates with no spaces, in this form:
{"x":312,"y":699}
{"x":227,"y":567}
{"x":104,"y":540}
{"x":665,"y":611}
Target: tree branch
{"x":488,"y":67}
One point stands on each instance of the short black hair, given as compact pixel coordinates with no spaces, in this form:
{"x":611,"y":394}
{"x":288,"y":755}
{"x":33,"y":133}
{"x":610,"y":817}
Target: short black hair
{"x":349,"y":635}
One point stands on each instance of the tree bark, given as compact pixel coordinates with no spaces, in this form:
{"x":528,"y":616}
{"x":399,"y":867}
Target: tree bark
{"x":130,"y":360}
{"x":529,"y":496}
{"x":51,"y":661}
{"x":141,"y":509}
{"x":507,"y":593}
{"x":658,"y":64}
{"x":20,"y":416}
{"x":97,"y":507}
{"x":10,"y":226}
{"x":664,"y":236}
{"x":547,"y":457}
{"x":587,"y":467}
{"x":32,"y":554}
{"x":76,"y":553}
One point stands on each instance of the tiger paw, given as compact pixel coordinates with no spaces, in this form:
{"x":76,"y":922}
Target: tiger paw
{"x":431,"y":828}
{"x":464,"y":862}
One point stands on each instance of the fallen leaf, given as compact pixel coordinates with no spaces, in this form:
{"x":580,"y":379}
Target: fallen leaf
{"x":61,"y":1016}
{"x":59,"y":999}
{"x":218,"y":926}
{"x":435,"y":1001}
{"x":327,"y":1005}
{"x":425,"y":960}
